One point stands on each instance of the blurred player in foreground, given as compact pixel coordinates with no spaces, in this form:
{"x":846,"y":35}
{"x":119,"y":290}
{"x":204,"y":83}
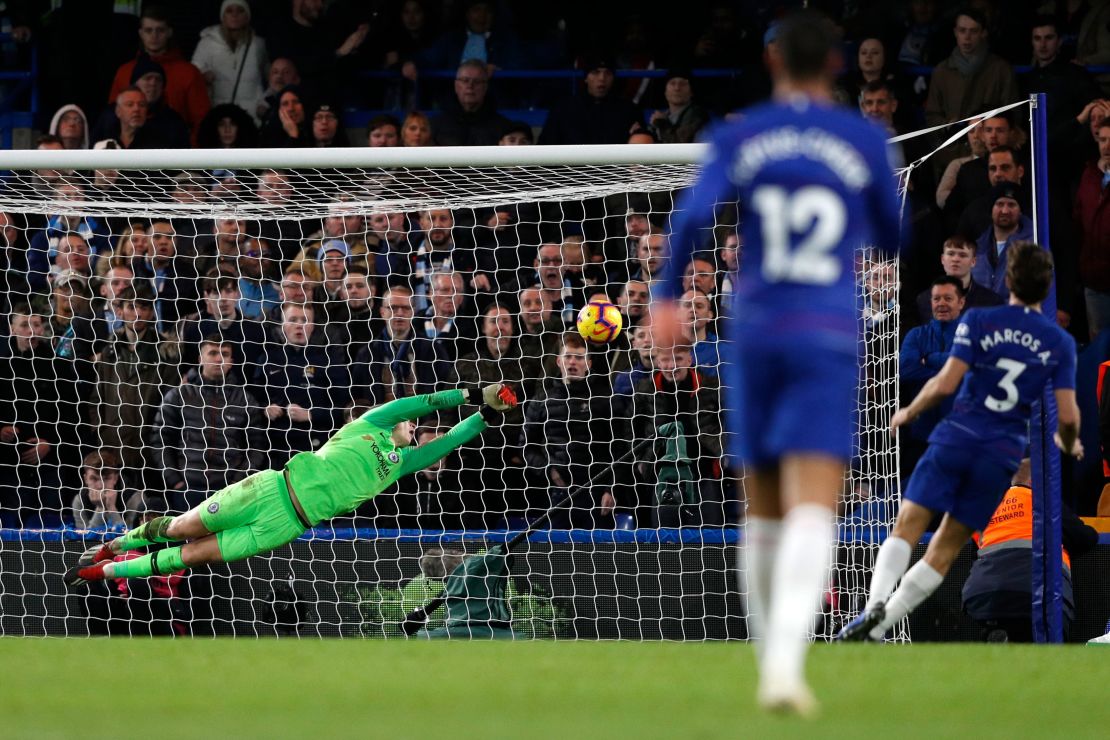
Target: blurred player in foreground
{"x":815,"y":184}
{"x":1001,"y":360}
{"x":272,"y":508}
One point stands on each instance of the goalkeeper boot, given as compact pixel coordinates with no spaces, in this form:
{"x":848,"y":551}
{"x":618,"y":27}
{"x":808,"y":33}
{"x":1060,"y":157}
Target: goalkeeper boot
{"x":79,"y":575}
{"x":860,"y":628}
{"x":95,"y":554}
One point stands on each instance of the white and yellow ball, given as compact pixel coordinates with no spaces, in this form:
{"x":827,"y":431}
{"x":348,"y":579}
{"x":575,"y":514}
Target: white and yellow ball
{"x":600,"y":321}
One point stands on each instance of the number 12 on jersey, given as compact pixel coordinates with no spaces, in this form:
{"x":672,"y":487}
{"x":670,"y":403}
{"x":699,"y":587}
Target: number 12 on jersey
{"x":801,"y":231}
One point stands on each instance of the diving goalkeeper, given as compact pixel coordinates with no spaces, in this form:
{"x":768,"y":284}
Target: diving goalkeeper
{"x":272,"y":507}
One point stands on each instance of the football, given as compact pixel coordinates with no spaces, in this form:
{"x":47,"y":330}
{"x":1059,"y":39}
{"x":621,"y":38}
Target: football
{"x":600,"y":321}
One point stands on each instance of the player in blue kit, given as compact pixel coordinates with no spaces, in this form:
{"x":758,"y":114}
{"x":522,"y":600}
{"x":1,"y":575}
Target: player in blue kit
{"x":814,"y":183}
{"x":1001,"y":360}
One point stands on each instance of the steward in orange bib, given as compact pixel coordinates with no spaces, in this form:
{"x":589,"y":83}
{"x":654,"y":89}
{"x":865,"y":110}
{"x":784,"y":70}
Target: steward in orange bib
{"x":998,"y":593}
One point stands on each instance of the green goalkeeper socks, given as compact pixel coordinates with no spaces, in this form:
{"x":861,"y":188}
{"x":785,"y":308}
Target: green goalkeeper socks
{"x":158,"y":563}
{"x":145,"y":535}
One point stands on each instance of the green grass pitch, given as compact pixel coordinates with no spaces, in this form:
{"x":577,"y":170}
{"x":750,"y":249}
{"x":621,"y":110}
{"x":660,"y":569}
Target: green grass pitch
{"x":92,"y":688}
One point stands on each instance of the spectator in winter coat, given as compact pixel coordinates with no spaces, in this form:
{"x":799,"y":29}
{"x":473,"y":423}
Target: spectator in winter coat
{"x":134,"y":371}
{"x":38,"y":418}
{"x":220,"y":316}
{"x":497,"y":359}
{"x":158,"y":126}
{"x":302,"y":383}
{"x":924,"y":351}
{"x":233,"y":58}
{"x":677,"y":391}
{"x":598,"y":117}
{"x":1008,"y":225}
{"x":210,"y":430}
{"x":186,"y":89}
{"x":399,"y":362}
{"x":571,"y":435}
{"x":971,"y":79}
{"x":683,"y":118}
{"x":469,"y":118}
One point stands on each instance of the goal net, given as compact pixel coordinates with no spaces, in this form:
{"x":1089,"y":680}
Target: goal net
{"x":177,"y":320}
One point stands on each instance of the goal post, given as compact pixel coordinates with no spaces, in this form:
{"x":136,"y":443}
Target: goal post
{"x":235,"y":243}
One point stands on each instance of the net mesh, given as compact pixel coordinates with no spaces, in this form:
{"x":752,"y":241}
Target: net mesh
{"x":334,"y":290}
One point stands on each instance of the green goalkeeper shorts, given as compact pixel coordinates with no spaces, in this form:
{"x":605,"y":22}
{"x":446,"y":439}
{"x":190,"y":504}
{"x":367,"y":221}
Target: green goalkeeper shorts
{"x":252,"y":516}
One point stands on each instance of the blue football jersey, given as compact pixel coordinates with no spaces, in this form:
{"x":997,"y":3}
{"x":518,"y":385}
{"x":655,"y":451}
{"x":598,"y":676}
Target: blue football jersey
{"x":1012,"y":351}
{"x":814,"y":183}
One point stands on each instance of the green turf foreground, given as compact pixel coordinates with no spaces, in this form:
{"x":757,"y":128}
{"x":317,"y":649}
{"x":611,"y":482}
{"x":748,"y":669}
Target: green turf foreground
{"x":92,"y":688}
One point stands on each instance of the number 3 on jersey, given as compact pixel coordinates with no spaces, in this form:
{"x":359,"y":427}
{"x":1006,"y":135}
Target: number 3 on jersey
{"x":1013,"y":369}
{"x":815,"y":218}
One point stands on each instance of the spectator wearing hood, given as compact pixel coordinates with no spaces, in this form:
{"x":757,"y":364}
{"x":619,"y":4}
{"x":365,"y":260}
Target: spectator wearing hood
{"x":227,"y":126}
{"x":71,"y":126}
{"x":233,"y":58}
{"x":288,"y":124}
{"x":186,"y":90}
{"x":598,"y":117}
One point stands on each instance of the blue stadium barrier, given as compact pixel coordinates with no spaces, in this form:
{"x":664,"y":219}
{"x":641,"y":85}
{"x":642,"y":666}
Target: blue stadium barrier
{"x":685,"y":536}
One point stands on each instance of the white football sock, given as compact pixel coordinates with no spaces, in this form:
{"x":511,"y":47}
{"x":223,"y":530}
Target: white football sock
{"x":757,"y":562}
{"x":890,"y":565}
{"x":800,"y":576}
{"x":918,"y":584}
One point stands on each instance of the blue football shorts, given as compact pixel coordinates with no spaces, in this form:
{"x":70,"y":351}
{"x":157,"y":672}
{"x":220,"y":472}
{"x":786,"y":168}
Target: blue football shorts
{"x":784,"y":396}
{"x":961,"y":481}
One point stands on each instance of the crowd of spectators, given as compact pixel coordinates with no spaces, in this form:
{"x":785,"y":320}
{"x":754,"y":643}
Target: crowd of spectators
{"x":170,"y":357}
{"x":167,"y":358}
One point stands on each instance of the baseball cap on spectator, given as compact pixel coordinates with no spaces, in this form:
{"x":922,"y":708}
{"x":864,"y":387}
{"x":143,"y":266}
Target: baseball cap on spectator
{"x":333,"y":245}
{"x":106,"y":144}
{"x":598,"y":61}
{"x":1007,"y":190}
{"x":241,"y":3}
{"x":144,"y":65}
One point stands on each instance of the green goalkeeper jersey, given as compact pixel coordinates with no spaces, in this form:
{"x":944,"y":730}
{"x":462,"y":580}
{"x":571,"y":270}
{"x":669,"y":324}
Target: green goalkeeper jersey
{"x":361,"y":461}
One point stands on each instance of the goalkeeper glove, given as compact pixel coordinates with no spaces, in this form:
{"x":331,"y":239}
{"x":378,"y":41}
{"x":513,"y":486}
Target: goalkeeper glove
{"x":499,"y":397}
